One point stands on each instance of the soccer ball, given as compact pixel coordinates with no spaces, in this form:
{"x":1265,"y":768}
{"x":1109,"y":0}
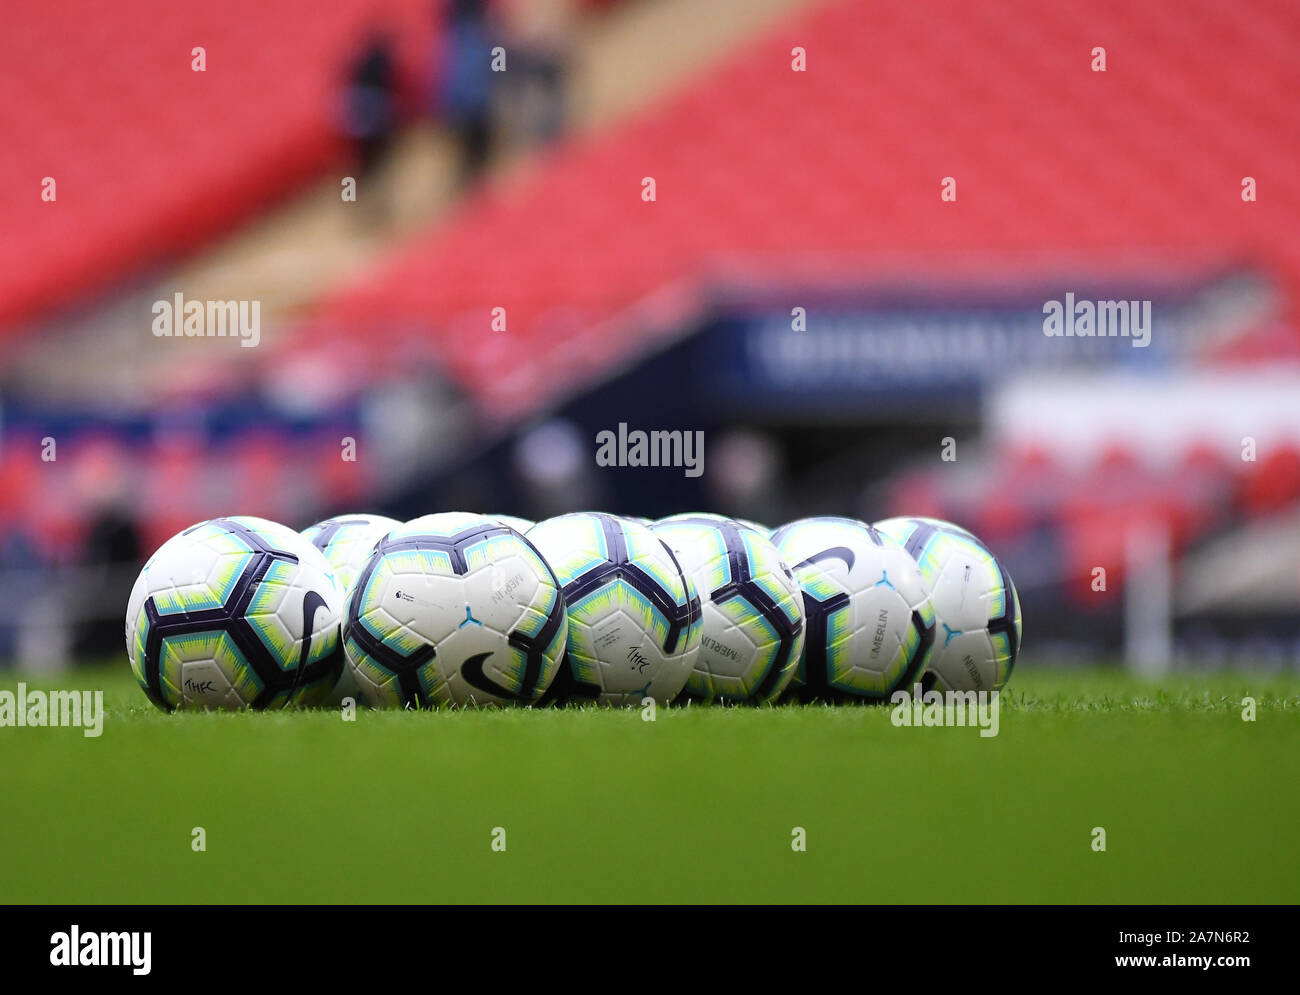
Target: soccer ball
{"x":869,"y":617}
{"x":764,"y":530}
{"x":454,"y":609}
{"x":634,"y":616}
{"x":346,"y":541}
{"x":753,"y":627}
{"x":520,"y":525}
{"x":975,"y":604}
{"x":235,"y":613}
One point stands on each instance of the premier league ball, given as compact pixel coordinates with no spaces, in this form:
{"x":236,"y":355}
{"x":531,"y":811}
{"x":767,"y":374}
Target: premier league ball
{"x":235,"y":613}
{"x":634,"y":616}
{"x":869,"y":616}
{"x":454,"y":609}
{"x":975,"y":604}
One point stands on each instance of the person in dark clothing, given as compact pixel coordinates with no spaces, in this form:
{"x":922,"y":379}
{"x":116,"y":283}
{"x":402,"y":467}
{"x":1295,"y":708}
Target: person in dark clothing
{"x":370,"y":110}
{"x":465,"y":85}
{"x":540,"y":33}
{"x":111,"y":555}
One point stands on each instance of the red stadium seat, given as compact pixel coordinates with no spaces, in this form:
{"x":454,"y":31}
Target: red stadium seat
{"x":1272,"y":482}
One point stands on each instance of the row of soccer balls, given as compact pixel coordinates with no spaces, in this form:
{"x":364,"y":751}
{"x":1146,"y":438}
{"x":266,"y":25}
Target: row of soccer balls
{"x":467,"y":609}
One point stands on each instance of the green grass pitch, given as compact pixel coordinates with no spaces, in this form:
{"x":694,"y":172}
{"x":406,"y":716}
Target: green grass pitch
{"x":1197,"y":804}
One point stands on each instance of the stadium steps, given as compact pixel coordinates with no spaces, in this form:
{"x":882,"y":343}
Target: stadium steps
{"x":623,"y":60}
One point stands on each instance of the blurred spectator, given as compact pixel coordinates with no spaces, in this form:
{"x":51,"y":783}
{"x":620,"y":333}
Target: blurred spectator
{"x":20,"y":561}
{"x":112,"y":555}
{"x":746,"y":475}
{"x":370,"y":112}
{"x":465,"y":88}
{"x":556,"y":469}
{"x":539,"y":33}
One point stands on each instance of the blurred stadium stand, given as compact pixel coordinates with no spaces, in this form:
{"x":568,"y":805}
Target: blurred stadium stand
{"x":775,"y":190}
{"x":151,"y":158}
{"x":847,"y":158}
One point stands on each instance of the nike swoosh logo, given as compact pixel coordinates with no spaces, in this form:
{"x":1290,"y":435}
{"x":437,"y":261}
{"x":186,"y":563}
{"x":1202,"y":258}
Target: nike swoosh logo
{"x":472,"y":671}
{"x":311,"y":601}
{"x":842,"y":553}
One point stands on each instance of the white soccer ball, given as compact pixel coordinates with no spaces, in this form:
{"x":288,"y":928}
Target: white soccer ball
{"x":976,"y":606}
{"x":870,"y":623}
{"x":347,"y":541}
{"x":235,"y":613}
{"x":634,"y":616}
{"x":753,"y":624}
{"x":454,"y":609}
